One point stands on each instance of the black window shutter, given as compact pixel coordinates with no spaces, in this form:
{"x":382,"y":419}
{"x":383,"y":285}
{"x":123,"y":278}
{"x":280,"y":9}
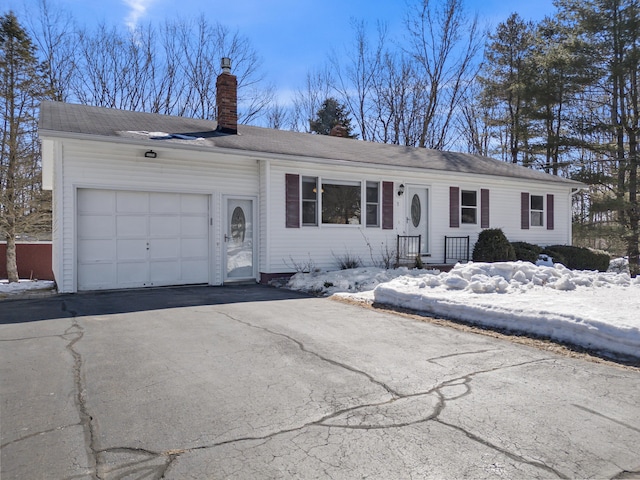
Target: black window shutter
{"x":524,"y":211}
{"x":454,"y":207}
{"x":484,"y":208}
{"x":387,"y":205}
{"x":550,"y":212}
{"x":292,"y":199}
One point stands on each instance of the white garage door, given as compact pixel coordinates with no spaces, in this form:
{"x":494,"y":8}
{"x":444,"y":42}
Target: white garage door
{"x":140,"y":239}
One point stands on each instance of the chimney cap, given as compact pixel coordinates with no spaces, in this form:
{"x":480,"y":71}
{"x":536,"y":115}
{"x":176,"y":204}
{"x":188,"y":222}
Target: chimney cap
{"x":225,"y":63}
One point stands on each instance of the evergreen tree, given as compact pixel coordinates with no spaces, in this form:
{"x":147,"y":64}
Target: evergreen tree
{"x":610,"y":31}
{"x":562,"y":73}
{"x":22,"y":205}
{"x":506,"y":76}
{"x":332,"y":115}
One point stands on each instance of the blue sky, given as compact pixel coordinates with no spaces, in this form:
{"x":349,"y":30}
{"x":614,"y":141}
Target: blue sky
{"x":292,"y":37}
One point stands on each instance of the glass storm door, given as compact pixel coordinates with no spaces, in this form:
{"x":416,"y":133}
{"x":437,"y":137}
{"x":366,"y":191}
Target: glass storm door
{"x":239,"y":239}
{"x":418,"y":215}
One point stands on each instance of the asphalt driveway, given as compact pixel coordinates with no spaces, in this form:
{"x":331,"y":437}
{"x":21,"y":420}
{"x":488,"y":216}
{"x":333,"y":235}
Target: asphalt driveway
{"x":251,"y":382}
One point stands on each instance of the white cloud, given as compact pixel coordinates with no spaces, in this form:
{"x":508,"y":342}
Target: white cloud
{"x":137,"y":10}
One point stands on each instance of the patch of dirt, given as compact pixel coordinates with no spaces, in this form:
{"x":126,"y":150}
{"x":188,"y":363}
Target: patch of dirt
{"x":546,"y":344}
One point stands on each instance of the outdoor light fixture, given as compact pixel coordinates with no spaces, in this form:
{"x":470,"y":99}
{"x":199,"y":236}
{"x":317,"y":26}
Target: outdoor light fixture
{"x":401,"y":189}
{"x":150,"y":154}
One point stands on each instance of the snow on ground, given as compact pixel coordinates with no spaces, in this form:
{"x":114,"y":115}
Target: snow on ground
{"x":22,"y":286}
{"x":595,"y":310}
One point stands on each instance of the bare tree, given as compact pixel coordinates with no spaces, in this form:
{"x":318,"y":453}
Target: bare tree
{"x":22,"y":86}
{"x":170,"y":70}
{"x":53,"y":32}
{"x":277,"y":117}
{"x":444,"y":42}
{"x":308,"y":100}
{"x":474,"y":122}
{"x":397,"y":101}
{"x":355,"y":81}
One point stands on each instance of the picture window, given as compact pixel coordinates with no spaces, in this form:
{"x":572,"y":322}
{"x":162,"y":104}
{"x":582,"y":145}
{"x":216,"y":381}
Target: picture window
{"x":341,"y":202}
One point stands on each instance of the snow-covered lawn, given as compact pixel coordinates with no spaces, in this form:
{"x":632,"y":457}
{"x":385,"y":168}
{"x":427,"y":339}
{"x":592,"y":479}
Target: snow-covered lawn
{"x":599,"y":311}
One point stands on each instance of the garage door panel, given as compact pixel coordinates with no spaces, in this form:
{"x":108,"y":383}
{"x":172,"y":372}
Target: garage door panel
{"x":194,"y":204}
{"x":97,"y":276}
{"x":96,"y":250}
{"x":131,"y":249}
{"x":131,"y":226}
{"x":164,"y":248}
{"x":135,"y":239}
{"x":164,"y":273}
{"x":132,"y":202}
{"x":194,"y":226}
{"x":164,"y":203}
{"x":194,"y":271}
{"x":194,"y":248}
{"x":96,"y":201}
{"x":164,"y":225}
{"x":96,"y":226}
{"x":131,"y":274}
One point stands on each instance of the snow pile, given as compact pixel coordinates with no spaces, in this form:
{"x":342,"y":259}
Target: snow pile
{"x":596,"y":310}
{"x":352,"y":280}
{"x":554,"y":302}
{"x":14,"y":288}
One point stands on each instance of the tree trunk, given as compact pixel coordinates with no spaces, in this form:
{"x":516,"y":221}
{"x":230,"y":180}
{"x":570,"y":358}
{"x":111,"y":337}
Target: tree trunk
{"x":12,"y":266}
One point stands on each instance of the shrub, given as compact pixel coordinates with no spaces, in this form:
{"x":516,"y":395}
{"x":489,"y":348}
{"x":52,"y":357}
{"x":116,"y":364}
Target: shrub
{"x":579,"y":258}
{"x":527,"y":252}
{"x":493,"y":246}
{"x":347,"y":261}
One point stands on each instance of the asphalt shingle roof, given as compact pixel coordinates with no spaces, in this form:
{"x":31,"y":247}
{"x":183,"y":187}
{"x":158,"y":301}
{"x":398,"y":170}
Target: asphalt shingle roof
{"x":66,"y":119}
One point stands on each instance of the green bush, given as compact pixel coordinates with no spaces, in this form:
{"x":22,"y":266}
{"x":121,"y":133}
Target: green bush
{"x":493,"y":246}
{"x":527,"y":252}
{"x":578,"y":258}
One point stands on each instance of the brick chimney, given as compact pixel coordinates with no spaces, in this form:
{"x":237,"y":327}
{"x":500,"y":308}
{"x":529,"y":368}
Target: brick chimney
{"x":338,"y":131}
{"x":227,"y":99}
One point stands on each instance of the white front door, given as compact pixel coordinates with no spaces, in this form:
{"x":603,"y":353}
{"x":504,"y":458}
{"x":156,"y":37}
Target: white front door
{"x":239,"y":239}
{"x":418,"y":215}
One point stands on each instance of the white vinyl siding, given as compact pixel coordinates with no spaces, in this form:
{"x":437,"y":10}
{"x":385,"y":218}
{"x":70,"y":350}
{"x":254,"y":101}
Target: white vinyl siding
{"x":120,"y":167}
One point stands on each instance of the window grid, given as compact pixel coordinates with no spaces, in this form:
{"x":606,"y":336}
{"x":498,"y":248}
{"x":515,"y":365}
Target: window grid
{"x":310,"y":201}
{"x":537,"y":210}
{"x":373,"y":204}
{"x":469,"y":206}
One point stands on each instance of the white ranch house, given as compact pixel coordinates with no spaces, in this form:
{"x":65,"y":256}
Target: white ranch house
{"x":147,"y":200}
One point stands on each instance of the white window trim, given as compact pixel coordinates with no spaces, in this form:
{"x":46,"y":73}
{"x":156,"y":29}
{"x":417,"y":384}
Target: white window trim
{"x":378,"y":204}
{"x":362,"y":184}
{"x":542,"y":212}
{"x":476,"y":207}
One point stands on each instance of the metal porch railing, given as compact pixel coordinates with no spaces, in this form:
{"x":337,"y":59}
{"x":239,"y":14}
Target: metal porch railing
{"x":407,"y":248}
{"x":456,"y":249}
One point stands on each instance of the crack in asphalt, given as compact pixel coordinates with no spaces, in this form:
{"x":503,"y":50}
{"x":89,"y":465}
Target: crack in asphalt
{"x":76,"y":333}
{"x":302,"y":347}
{"x":142,"y":468}
{"x":35,"y":434}
{"x":509,"y":454}
{"x":598,"y":414}
{"x":626,"y":474}
{"x":442,"y":399}
{"x":102,"y":468}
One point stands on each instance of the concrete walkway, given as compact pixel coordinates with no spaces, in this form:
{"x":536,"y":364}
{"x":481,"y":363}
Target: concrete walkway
{"x":250,"y":382}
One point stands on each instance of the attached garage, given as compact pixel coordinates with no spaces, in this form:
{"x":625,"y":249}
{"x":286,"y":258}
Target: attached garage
{"x":131,"y":239}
